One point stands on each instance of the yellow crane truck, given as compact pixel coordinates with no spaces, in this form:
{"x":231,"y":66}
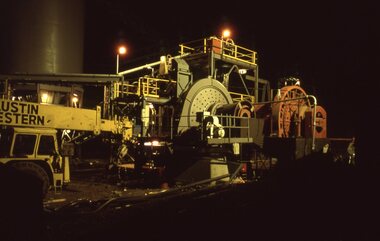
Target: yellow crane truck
{"x":29,"y":142}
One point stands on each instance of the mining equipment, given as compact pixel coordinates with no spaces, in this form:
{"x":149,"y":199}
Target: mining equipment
{"x":205,"y":113}
{"x":202,"y":114}
{"x":39,"y":137}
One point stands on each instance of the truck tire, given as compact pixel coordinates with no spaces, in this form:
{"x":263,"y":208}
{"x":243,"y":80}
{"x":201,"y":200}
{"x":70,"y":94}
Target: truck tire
{"x":35,"y":170}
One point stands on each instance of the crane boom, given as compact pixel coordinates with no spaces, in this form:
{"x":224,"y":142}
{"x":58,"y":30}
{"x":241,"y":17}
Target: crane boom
{"x":26,"y":114}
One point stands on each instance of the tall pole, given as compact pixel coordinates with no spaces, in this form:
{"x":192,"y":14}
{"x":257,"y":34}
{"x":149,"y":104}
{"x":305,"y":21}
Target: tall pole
{"x":117,"y":63}
{"x":121,"y":51}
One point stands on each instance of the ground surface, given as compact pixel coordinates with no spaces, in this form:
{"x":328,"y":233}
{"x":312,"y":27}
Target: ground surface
{"x":94,"y":184}
{"x":312,"y":199}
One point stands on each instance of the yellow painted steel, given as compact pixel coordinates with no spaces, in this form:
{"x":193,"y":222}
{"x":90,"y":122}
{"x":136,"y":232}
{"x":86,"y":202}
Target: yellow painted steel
{"x":146,"y":86}
{"x":239,"y":97}
{"x":33,"y":115}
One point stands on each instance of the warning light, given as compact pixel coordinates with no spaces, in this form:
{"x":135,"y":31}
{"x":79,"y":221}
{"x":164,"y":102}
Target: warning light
{"x":226,"y":33}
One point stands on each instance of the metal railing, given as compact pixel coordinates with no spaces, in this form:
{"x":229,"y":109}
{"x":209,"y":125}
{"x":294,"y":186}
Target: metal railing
{"x":236,"y":97}
{"x":227,"y":48}
{"x":145,"y":86}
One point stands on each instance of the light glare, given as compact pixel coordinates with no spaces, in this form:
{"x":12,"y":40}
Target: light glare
{"x":44,"y":97}
{"x":226,"y":33}
{"x":122,"y":50}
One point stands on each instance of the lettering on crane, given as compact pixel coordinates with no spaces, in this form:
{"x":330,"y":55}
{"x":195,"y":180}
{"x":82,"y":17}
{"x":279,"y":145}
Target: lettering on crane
{"x":20,"y":113}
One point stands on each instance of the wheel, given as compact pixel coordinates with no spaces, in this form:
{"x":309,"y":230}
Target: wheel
{"x":35,"y":170}
{"x":287,"y":114}
{"x":321,"y":122}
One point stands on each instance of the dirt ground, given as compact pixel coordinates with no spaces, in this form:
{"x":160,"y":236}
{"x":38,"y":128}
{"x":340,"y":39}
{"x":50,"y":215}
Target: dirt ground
{"x":93,"y":185}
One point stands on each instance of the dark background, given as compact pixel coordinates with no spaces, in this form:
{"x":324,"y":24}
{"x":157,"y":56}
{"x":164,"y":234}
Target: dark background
{"x":330,"y":45}
{"x":324,"y":44}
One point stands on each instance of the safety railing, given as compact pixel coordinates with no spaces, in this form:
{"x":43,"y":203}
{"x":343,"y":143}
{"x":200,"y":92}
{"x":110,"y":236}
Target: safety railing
{"x":227,"y":48}
{"x":237,"y":129}
{"x":235,"y":126}
{"x":149,"y":87}
{"x":236,"y":97}
{"x":145,"y":86}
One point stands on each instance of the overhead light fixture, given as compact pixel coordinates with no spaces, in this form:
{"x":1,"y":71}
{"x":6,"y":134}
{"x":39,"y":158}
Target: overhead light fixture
{"x":226,"y":33}
{"x":44,"y":97}
{"x":242,"y":71}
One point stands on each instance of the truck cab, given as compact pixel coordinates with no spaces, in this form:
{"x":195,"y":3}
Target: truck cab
{"x":35,"y":150}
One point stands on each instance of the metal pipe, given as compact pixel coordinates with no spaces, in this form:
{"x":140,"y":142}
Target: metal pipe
{"x":314,"y":117}
{"x":163,"y":194}
{"x":278,"y":101}
{"x":139,"y":68}
{"x":203,"y":182}
{"x":241,"y":78}
{"x":212,"y":65}
{"x":117,"y":63}
{"x":147,"y":66}
{"x":257,"y":83}
{"x":236,"y":172}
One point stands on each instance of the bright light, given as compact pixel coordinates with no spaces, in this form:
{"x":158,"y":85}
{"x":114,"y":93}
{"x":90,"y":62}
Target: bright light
{"x":44,"y":97}
{"x":153,"y":143}
{"x":226,"y":33}
{"x":122,"y":50}
{"x":75,"y":100}
{"x":242,"y":71}
{"x":148,"y":143}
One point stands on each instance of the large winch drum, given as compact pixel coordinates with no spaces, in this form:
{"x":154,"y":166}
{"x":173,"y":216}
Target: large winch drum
{"x":201,"y":97}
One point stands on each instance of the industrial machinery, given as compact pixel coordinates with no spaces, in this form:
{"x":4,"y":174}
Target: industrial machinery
{"x":205,"y":112}
{"x":39,"y":137}
{"x":202,"y":114}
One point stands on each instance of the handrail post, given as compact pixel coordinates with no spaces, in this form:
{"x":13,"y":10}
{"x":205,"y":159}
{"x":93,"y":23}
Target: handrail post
{"x":314,"y":119}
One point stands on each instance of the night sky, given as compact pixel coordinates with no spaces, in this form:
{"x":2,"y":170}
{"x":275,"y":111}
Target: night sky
{"x":323,"y":45}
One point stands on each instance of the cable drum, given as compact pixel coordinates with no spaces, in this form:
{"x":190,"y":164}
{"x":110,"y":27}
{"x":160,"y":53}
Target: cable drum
{"x":239,"y":109}
{"x":286,"y":115}
{"x":203,"y":95}
{"x":242,"y":110}
{"x":321,"y":122}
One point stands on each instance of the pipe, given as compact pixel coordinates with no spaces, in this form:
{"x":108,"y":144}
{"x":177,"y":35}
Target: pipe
{"x":278,"y":101}
{"x":140,"y":199}
{"x":241,"y":78}
{"x":159,"y":101}
{"x":314,"y":118}
{"x":236,"y":172}
{"x":257,"y":83}
{"x":147,"y":66}
{"x":139,"y":68}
